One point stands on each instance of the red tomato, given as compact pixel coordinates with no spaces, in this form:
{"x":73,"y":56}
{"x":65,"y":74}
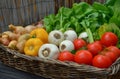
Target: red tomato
{"x":114,"y":49}
{"x":110,"y":54}
{"x":94,"y":47}
{"x":83,"y":57}
{"x":66,"y":56}
{"x":79,"y":43}
{"x":109,"y":39}
{"x":101,"y":61}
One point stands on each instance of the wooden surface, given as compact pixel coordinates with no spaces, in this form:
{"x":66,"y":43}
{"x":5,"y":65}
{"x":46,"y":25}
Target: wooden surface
{"x":11,"y":73}
{"x":23,"y":12}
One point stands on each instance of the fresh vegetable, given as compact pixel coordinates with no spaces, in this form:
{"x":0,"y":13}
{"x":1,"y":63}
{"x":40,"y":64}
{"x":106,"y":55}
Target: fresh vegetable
{"x":66,"y":45}
{"x":17,"y":29}
{"x":41,"y":34}
{"x":32,"y":46}
{"x":5,"y":41}
{"x":83,"y":57}
{"x":48,"y":51}
{"x":12,"y":44}
{"x":110,"y":2}
{"x":101,"y":61}
{"x":93,"y":15}
{"x":110,"y":54}
{"x":109,"y":39}
{"x":66,"y":56}
{"x":116,"y":13}
{"x":4,"y":36}
{"x":29,"y":28}
{"x":111,"y":27}
{"x":55,"y":37}
{"x":20,"y":46}
{"x":114,"y":49}
{"x":11,"y":35}
{"x":83,"y":35}
{"x":25,"y":36}
{"x":70,"y":35}
{"x":79,"y":43}
{"x":95,"y":47}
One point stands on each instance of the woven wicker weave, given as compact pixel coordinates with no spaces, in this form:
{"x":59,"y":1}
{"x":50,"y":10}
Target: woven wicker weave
{"x":56,"y":69}
{"x":24,"y":12}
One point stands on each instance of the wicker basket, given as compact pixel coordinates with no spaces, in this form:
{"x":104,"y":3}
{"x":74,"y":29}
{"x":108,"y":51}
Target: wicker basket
{"x":45,"y":67}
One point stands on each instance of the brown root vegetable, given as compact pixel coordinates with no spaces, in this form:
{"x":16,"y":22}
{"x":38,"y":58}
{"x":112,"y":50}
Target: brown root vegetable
{"x":5,"y":41}
{"x":20,"y":46}
{"x":17,"y":29}
{"x":11,"y":35}
{"x":5,"y":36}
{"x":24,"y":37}
{"x":6,"y":33}
{"x":29,"y":28}
{"x":12,"y":44}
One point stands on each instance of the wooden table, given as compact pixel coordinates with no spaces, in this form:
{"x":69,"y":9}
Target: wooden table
{"x":11,"y":73}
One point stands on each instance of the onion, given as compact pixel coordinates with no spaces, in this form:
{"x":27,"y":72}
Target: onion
{"x":29,"y":28}
{"x":5,"y":41}
{"x":70,"y":35}
{"x":55,"y":37}
{"x":23,"y":37}
{"x":17,"y":29}
{"x":20,"y":46}
{"x":83,"y":35}
{"x":12,"y":44}
{"x":48,"y":51}
{"x":66,"y":45}
{"x":11,"y":35}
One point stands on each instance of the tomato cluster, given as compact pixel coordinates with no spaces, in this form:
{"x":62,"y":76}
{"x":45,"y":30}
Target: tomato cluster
{"x":101,"y":53}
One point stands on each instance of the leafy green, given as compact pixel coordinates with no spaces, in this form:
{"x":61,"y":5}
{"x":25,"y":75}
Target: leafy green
{"x":93,"y":16}
{"x":116,"y":16}
{"x":110,"y":2}
{"x":111,"y":27}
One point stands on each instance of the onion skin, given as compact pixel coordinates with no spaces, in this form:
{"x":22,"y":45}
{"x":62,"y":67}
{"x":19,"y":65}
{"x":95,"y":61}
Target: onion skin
{"x":24,"y":37}
{"x":12,"y":44}
{"x":17,"y":29}
{"x":20,"y":46}
{"x":29,"y":28}
{"x":66,"y":45}
{"x":70,"y":35}
{"x":48,"y":51}
{"x":5,"y":41}
{"x":11,"y":35}
{"x":55,"y":37}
